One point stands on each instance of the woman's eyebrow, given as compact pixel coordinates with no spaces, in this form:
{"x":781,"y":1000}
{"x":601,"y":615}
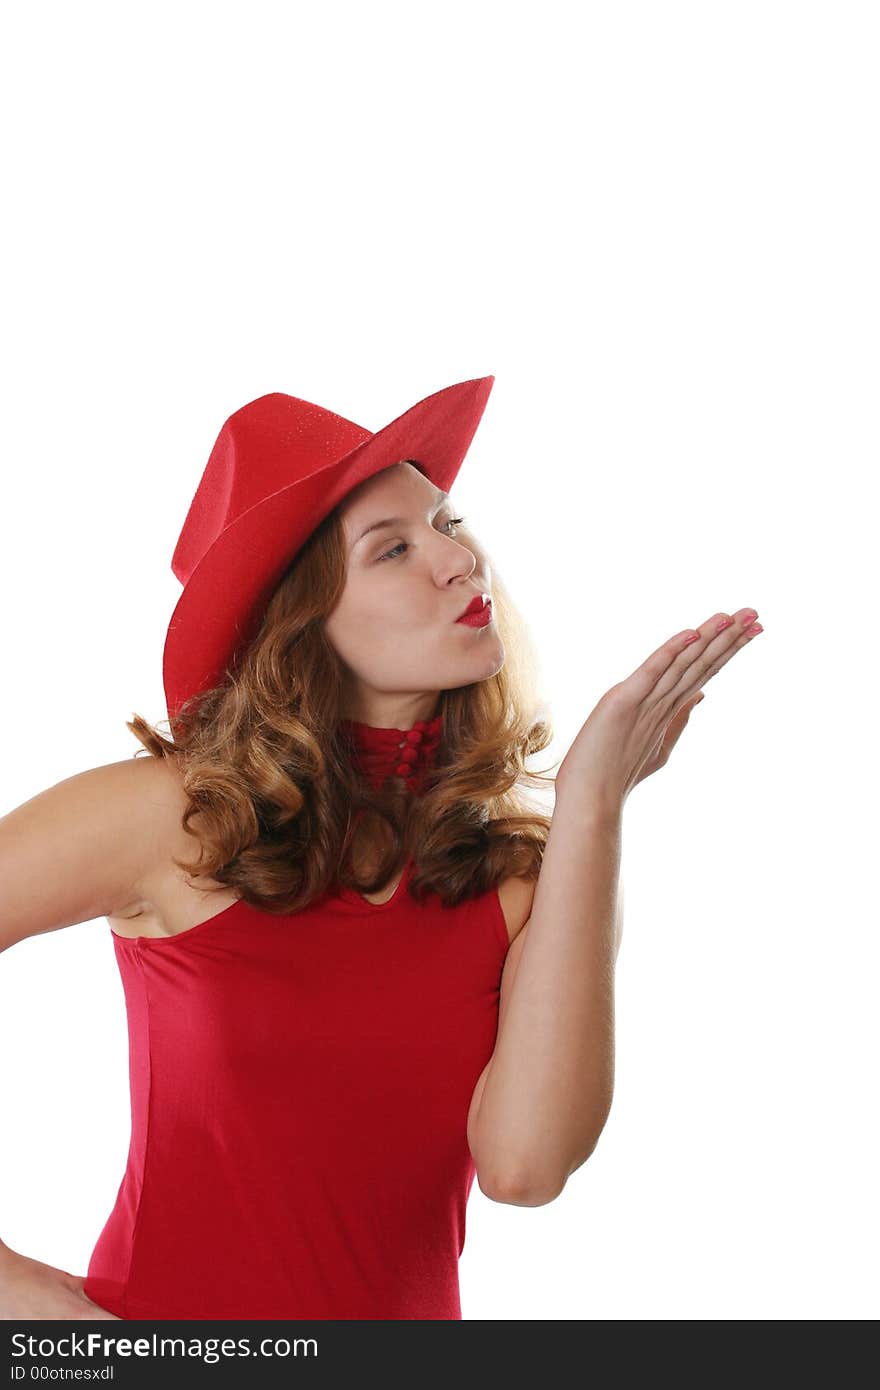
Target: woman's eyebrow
{"x":442,"y":498}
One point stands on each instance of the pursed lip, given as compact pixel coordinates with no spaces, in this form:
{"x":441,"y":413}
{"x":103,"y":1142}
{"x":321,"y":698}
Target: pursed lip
{"x":476,"y":605}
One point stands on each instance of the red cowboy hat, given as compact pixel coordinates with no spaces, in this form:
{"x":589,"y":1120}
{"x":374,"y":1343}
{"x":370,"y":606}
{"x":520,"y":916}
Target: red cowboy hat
{"x":278,"y":467}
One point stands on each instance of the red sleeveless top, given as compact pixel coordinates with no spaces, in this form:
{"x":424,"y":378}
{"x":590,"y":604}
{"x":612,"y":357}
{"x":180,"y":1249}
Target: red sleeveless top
{"x":300,"y":1087}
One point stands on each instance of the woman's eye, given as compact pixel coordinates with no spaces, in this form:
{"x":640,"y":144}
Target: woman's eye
{"x":391,"y":554}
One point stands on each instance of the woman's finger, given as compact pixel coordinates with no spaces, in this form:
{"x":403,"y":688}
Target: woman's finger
{"x":720,"y":638}
{"x":680,"y":663}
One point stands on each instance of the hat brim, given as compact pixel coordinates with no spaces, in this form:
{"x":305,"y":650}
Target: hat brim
{"x":223,"y":600}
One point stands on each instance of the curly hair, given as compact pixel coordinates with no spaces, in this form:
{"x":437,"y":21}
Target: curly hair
{"x":283,"y":814}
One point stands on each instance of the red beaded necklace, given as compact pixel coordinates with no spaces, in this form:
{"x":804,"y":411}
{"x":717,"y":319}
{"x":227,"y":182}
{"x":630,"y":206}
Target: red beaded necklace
{"x":380,"y":753}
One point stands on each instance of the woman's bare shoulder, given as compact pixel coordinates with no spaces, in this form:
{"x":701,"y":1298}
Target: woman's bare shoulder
{"x":77,"y":850}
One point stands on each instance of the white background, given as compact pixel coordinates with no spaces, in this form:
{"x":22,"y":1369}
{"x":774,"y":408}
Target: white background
{"x":657,"y":226}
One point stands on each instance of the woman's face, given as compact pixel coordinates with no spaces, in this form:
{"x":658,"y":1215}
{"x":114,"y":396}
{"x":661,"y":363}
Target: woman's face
{"x":407,"y":582}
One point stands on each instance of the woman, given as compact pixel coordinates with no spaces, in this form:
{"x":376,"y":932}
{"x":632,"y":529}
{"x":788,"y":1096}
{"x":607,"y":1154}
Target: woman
{"x":325,"y":1044}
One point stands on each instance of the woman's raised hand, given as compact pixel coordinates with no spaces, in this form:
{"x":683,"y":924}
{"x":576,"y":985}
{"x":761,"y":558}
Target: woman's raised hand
{"x":636,"y":724}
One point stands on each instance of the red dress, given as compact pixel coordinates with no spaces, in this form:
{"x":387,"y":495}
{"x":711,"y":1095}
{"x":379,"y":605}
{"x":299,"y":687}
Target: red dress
{"x":300,"y":1088}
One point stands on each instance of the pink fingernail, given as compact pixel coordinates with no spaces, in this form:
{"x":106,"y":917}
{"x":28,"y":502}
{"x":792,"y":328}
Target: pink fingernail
{"x":754,"y":630}
{"x":695,"y":638}
{"x":728,"y":622}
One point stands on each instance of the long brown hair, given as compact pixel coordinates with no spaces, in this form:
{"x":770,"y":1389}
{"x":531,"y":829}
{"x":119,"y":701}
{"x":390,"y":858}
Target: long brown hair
{"x":282,"y":814}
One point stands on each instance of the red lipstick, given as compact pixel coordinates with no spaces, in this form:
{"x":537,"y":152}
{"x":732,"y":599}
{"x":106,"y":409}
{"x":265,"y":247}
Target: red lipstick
{"x":478,"y":612}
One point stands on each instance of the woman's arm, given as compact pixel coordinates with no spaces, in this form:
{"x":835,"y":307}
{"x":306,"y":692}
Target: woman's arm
{"x":71,"y":854}
{"x":548,"y":1087}
{"x":547,"y":1091}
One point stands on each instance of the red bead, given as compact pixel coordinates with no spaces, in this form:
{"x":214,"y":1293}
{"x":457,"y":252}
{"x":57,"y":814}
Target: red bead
{"x":401,"y":753}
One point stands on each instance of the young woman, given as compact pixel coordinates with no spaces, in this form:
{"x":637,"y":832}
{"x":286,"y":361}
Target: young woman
{"x":326,"y":1043}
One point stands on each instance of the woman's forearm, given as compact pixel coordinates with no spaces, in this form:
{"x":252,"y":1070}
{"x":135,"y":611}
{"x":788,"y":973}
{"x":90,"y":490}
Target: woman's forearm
{"x":549,"y":1087}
